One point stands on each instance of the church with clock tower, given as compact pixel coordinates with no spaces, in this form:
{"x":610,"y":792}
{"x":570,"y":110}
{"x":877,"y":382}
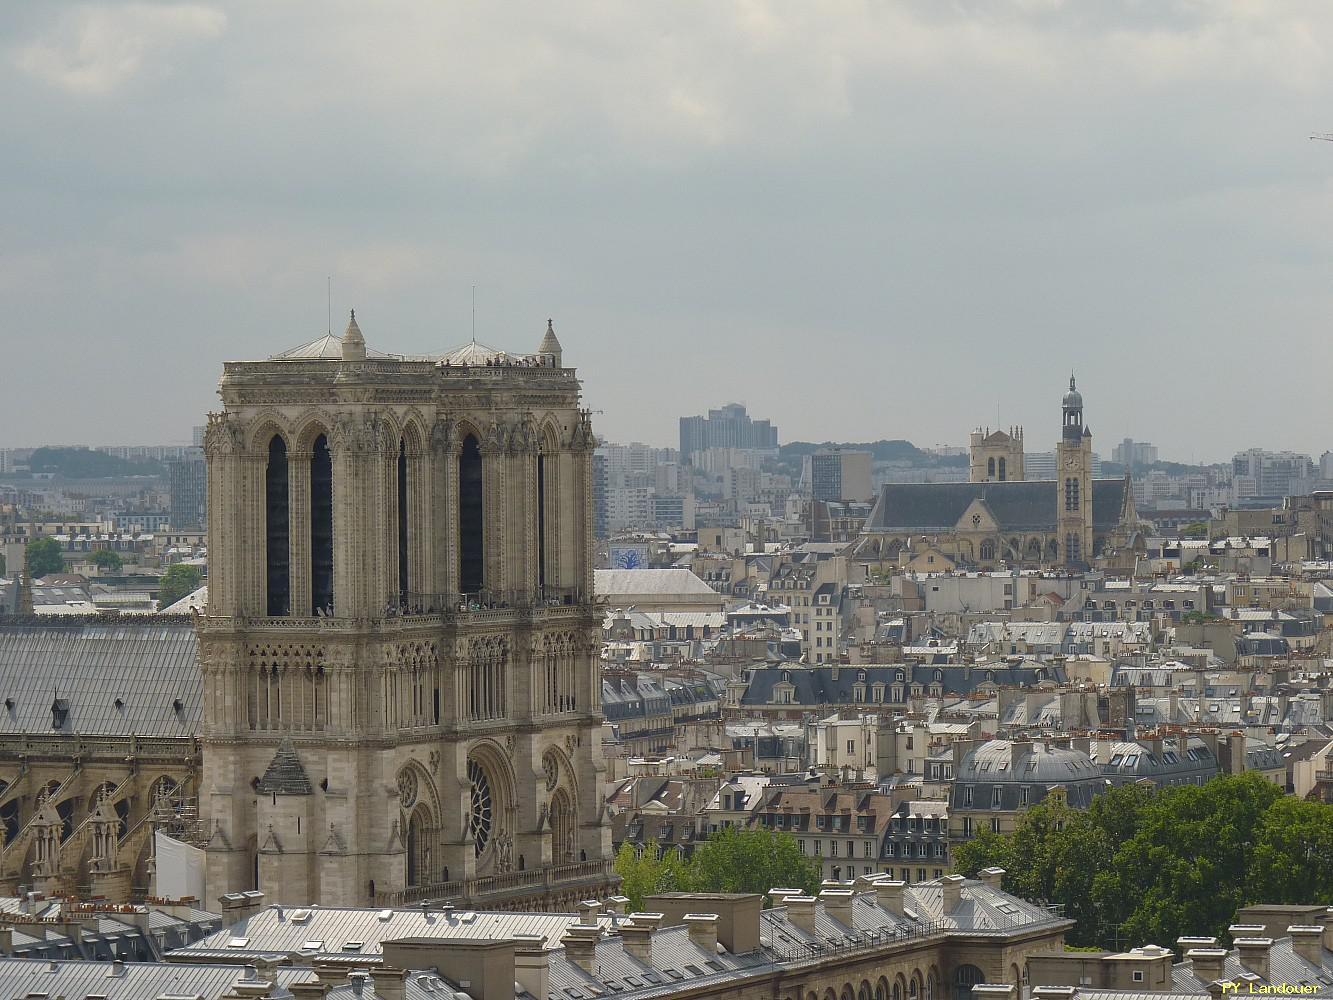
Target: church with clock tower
{"x":399,"y":649}
{"x":1000,"y":520}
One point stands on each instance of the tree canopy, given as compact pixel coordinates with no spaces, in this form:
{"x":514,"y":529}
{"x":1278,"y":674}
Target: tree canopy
{"x":108,"y":560}
{"x":43,"y":557}
{"x":1145,"y":865}
{"x":731,"y":860}
{"x":179,"y":581}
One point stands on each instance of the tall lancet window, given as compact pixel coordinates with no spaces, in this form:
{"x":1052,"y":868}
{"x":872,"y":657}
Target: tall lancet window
{"x":470,"y":510}
{"x":321,"y":527}
{"x":541,"y":520}
{"x":402,"y":521}
{"x":277,"y":529}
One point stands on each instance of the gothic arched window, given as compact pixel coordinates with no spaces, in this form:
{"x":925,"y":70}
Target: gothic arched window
{"x":277,"y":529}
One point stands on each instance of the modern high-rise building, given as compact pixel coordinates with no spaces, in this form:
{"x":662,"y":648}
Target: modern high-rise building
{"x":728,"y":427}
{"x":399,"y":651}
{"x":1130,"y":453}
{"x":1259,"y":473}
{"x":841,"y":475}
{"x":187,"y":482}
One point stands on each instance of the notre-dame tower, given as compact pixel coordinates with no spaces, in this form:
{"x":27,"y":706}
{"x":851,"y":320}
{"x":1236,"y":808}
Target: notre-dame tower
{"x":399,"y":648}
{"x":1074,"y":479}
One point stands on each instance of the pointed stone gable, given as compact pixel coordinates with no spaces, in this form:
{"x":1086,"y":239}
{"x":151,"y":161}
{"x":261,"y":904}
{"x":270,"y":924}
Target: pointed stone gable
{"x":285,"y":775}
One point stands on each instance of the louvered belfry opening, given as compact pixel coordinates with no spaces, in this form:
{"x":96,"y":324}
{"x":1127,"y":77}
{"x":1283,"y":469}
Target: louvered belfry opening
{"x":321,"y":526}
{"x":277,"y":529}
{"x":470,"y":541}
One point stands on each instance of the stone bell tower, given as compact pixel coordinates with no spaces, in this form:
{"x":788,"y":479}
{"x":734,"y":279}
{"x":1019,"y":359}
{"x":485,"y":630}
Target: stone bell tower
{"x":399,"y":648}
{"x":1074,"y":483}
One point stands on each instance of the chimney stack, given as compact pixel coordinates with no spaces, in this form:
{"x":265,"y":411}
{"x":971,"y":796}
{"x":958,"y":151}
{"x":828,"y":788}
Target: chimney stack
{"x":638,"y":935}
{"x":616,"y":904}
{"x":801,"y":912}
{"x":588,"y":912}
{"x":532,"y":964}
{"x":994,"y":991}
{"x":889,"y":895}
{"x":580,"y":943}
{"x":390,"y":984}
{"x":1208,"y":963}
{"x":991,"y":876}
{"x":952,"y":888}
{"x":1308,"y":942}
{"x":703,"y":930}
{"x":1254,"y":954}
{"x":838,"y":904}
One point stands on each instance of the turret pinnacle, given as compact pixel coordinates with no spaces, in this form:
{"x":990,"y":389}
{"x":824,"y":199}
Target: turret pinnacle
{"x":550,"y":351}
{"x":354,"y":345}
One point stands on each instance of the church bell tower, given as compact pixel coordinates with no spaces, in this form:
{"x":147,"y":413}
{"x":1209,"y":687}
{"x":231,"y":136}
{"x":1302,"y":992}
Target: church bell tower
{"x":1074,"y":483}
{"x":399,"y":651}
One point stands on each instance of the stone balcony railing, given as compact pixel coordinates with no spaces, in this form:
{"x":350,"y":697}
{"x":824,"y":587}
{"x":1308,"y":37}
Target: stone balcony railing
{"x":497,"y":888}
{"x":428,"y":610}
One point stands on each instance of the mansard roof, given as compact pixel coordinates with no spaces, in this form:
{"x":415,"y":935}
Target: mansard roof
{"x":1024,"y":505}
{"x":835,"y":686}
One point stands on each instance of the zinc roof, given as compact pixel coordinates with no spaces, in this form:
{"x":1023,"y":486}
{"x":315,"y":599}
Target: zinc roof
{"x":285,"y":929}
{"x":130,"y":980}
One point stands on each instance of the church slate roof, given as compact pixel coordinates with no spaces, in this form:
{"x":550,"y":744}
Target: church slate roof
{"x":1026,"y":505}
{"x":286,"y":774}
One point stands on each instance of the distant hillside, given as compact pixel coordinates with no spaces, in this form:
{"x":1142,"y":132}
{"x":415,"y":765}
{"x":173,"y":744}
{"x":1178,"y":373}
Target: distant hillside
{"x":84,"y":463}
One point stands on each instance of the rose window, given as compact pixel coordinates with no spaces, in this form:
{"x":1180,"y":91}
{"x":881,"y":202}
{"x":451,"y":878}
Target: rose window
{"x":483,"y":806}
{"x":407,"y":788}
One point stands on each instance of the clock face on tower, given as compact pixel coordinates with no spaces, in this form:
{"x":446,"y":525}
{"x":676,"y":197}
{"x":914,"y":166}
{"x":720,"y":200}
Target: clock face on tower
{"x":1069,"y":462}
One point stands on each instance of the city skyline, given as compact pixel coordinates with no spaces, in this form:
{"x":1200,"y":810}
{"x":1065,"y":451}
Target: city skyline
{"x":835,"y":206}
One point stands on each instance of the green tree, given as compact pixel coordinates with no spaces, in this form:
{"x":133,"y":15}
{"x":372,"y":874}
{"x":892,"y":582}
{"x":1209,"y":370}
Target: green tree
{"x":643,"y":873}
{"x":178,"y":581}
{"x":1292,"y":861}
{"x":757,"y":860}
{"x":1186,"y":865}
{"x":1199,"y":529}
{"x":108,"y":560}
{"x":1148,"y":865}
{"x":43,"y":557}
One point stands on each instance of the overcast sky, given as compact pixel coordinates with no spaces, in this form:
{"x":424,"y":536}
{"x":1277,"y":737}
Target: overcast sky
{"x":864,"y":220}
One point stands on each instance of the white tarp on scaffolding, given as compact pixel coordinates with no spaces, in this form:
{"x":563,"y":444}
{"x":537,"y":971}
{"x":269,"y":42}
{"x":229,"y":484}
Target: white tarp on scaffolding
{"x":180,"y":868}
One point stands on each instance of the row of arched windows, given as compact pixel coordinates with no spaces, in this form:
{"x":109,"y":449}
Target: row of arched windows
{"x":318,"y":523}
